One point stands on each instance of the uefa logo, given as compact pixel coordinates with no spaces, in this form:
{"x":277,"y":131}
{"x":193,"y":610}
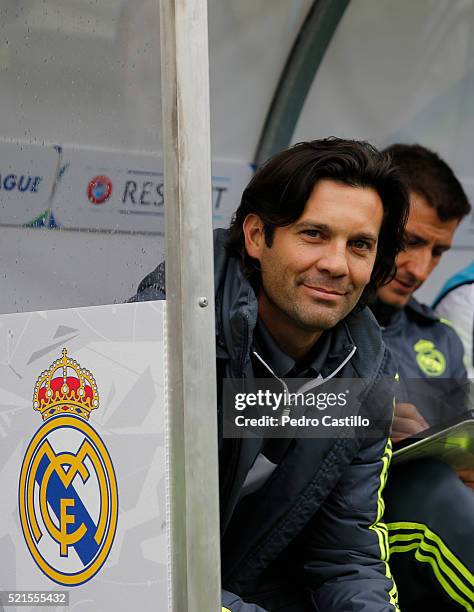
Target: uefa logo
{"x":99,"y":189}
{"x":68,"y":497}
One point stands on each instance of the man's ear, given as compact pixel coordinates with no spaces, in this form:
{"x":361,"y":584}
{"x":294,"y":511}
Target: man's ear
{"x":254,"y":235}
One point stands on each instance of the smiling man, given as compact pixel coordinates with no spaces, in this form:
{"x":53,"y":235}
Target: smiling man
{"x":316,"y":270}
{"x":430,"y":510}
{"x":317,"y":231}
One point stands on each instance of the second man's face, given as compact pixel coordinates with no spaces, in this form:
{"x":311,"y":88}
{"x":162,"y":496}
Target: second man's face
{"x":316,"y":269}
{"x":427,"y":238}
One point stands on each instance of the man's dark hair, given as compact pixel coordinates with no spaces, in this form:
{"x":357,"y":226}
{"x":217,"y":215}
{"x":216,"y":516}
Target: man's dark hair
{"x":279,"y":190}
{"x":425,"y":173}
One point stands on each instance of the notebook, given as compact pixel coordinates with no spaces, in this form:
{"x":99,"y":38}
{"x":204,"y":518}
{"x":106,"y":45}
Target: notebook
{"x":452,"y":443}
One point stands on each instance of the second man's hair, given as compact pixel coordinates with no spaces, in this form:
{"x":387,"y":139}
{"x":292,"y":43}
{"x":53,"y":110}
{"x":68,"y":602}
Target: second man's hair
{"x":425,"y":173}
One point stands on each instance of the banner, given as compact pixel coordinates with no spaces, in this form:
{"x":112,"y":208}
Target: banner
{"x":108,"y":190}
{"x":27,"y":178}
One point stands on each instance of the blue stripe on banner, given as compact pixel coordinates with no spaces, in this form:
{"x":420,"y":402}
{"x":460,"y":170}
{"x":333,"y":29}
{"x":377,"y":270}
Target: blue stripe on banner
{"x":87,"y":547}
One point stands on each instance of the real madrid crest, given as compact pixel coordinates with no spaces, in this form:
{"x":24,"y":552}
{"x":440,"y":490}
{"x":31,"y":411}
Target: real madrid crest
{"x":430,"y":360}
{"x":68,"y":498}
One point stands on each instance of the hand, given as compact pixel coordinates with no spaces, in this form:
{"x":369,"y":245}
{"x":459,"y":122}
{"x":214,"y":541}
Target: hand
{"x":407,"y":422}
{"x":467,"y":476}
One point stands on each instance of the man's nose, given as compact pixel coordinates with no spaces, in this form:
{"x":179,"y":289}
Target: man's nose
{"x":419,"y":266}
{"x":333,"y":260}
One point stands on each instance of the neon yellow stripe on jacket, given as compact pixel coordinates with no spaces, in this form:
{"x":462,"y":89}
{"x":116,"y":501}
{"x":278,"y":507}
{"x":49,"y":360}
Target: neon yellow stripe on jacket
{"x":379,"y":527}
{"x":415,"y":540}
{"x":446,"y":586}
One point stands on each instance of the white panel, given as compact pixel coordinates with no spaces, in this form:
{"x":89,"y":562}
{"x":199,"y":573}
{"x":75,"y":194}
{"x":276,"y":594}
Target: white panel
{"x":122,"y":348}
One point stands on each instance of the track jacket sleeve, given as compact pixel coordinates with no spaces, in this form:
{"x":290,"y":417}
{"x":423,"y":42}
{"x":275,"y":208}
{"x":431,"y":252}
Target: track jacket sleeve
{"x":347,"y":548}
{"x":458,"y":307}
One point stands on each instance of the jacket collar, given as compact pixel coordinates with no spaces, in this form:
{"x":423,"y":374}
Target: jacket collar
{"x":421,"y":311}
{"x":393,"y":319}
{"x":282,"y":364}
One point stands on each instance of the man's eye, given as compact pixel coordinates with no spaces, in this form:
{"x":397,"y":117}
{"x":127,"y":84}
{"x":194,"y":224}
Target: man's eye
{"x":362,"y":245}
{"x":312,"y":233}
{"x":411,"y":242}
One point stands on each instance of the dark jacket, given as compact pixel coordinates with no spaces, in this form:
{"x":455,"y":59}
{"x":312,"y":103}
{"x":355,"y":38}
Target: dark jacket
{"x":312,"y":537}
{"x":429,"y":358}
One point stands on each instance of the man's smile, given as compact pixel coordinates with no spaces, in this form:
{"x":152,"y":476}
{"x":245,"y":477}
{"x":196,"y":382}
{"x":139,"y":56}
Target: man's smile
{"x":406,"y":285}
{"x":324,"y":293}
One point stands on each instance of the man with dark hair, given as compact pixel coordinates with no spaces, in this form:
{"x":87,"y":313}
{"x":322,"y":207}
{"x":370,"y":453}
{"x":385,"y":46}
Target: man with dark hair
{"x":430,"y":512}
{"x":318,"y":228}
{"x":427,"y":347}
{"x":428,"y":176}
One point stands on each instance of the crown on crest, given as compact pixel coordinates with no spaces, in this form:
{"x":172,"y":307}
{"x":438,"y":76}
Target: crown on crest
{"x":65,"y":388}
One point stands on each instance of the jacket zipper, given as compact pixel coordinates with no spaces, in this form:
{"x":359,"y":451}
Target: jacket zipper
{"x":316,"y":382}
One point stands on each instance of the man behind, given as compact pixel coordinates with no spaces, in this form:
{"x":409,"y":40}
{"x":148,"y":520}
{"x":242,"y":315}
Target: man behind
{"x":430,"y":512}
{"x":317,"y":230}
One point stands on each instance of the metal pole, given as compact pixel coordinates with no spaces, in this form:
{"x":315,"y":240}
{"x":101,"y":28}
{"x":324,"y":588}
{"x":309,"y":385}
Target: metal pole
{"x":190,"y":307}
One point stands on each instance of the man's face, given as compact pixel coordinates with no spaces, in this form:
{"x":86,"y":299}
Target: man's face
{"x":427,"y":239}
{"x":316,"y":268}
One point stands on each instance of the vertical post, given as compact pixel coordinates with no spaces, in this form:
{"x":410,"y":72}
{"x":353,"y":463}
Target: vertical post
{"x":190,"y":306}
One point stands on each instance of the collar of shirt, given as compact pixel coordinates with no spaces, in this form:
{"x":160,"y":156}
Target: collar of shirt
{"x":386,"y":315}
{"x":285,"y":366}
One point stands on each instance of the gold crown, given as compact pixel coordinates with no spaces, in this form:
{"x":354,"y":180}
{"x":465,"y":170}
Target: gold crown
{"x":65,"y":388}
